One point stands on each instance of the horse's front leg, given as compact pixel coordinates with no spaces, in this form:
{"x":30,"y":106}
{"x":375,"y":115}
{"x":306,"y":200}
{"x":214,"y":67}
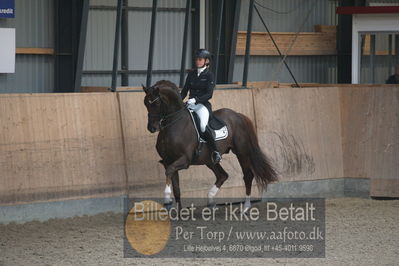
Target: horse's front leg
{"x":172,"y":178}
{"x":221,"y":177}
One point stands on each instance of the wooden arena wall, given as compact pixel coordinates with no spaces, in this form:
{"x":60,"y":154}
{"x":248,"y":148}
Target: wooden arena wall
{"x":370,"y":136}
{"x":60,"y":146}
{"x":331,"y":132}
{"x":87,"y":145}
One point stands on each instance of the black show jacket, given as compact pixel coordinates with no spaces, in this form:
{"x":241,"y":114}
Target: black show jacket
{"x":200,"y":87}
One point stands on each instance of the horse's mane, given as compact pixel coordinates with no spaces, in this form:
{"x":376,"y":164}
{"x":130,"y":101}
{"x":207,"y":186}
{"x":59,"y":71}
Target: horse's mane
{"x":166,"y":84}
{"x":170,"y":90}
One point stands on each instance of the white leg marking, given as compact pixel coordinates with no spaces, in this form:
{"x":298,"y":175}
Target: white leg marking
{"x":213,"y":191}
{"x":211,"y":194}
{"x":247,"y":204}
{"x":168,"y":192}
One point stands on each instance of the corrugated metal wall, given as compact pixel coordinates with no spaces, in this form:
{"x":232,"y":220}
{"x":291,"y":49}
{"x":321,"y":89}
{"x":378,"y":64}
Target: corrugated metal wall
{"x":291,"y":13}
{"x":313,"y":69}
{"x":288,"y":16}
{"x":34,"y":23}
{"x":169,"y":33}
{"x":35,"y":28}
{"x":168,"y":44}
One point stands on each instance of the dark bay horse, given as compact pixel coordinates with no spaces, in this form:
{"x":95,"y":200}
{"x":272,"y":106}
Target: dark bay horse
{"x":177,"y":142}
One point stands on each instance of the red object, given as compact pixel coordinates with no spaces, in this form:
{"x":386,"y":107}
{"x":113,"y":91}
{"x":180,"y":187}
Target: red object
{"x":349,"y":10}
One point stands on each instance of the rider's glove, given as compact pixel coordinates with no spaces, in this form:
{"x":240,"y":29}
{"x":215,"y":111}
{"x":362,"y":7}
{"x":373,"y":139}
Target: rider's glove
{"x":191,"y":101}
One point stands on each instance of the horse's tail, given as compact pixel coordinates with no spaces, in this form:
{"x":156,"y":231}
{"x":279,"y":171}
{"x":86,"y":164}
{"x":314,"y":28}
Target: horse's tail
{"x":261,"y":167}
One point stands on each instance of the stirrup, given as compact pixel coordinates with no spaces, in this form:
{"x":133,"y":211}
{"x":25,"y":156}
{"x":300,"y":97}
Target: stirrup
{"x":218,"y":157}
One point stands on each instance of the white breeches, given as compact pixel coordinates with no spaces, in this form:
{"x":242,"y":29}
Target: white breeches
{"x":203,"y":114}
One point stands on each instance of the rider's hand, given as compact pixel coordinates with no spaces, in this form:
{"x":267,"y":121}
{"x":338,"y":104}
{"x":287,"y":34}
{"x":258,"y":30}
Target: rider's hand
{"x":191,"y":101}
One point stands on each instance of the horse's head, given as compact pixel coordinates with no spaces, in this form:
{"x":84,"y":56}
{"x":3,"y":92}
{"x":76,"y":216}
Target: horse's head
{"x":152,"y":101}
{"x":159,"y":99}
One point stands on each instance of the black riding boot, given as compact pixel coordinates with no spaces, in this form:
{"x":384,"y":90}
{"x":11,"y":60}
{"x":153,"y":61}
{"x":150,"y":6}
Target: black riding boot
{"x":215,"y":155}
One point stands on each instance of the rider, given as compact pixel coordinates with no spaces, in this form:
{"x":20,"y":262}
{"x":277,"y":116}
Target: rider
{"x":201,"y":82}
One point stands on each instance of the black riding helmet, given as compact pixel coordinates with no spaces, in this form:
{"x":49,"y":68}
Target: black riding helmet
{"x":202,"y":53}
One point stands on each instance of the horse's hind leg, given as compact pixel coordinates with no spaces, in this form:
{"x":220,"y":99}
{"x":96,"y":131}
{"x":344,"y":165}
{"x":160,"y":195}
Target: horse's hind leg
{"x":248,"y":178}
{"x":221,"y":177}
{"x":176,"y":188}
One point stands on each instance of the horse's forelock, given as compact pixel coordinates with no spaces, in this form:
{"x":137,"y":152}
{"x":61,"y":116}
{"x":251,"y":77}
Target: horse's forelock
{"x":169,"y":90}
{"x":166,"y":83}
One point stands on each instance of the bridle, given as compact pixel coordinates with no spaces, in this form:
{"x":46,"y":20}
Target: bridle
{"x":163,"y":118}
{"x":153,"y":101}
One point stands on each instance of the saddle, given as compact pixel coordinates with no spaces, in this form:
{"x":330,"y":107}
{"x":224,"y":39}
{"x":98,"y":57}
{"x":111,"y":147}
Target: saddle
{"x":219,"y":128}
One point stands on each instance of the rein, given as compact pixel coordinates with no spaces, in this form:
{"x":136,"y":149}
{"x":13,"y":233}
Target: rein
{"x":164,"y":118}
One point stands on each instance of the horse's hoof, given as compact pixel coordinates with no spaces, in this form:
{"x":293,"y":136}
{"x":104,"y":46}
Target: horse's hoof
{"x":247,"y":206}
{"x":167,"y":205}
{"x":211,"y":204}
{"x":179,"y":207}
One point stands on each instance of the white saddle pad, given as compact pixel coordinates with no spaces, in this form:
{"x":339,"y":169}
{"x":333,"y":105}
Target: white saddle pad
{"x":219,"y":134}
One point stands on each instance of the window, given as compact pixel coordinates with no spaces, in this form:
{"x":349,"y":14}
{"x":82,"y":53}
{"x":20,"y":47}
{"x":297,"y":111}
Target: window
{"x":378,"y":52}
{"x":375,"y":47}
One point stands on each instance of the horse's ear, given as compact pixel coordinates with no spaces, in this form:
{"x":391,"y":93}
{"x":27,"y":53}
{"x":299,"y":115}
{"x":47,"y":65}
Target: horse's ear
{"x":144,"y":88}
